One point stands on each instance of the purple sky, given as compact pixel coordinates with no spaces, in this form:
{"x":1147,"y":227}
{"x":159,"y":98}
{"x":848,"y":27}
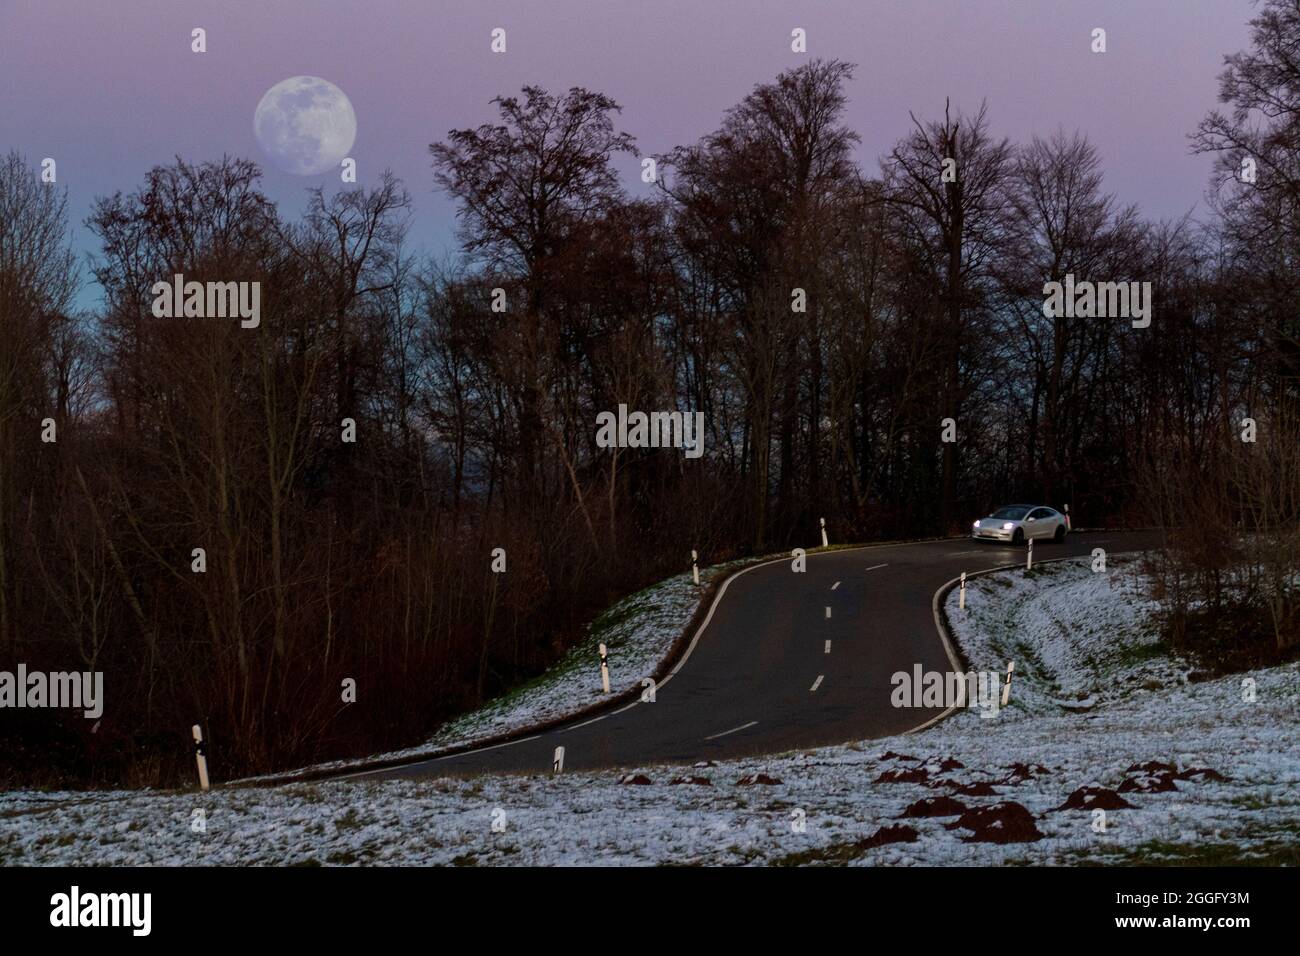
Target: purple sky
{"x":110,"y":89}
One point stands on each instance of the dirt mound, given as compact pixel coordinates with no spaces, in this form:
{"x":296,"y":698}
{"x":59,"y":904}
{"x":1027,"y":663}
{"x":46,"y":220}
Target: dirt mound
{"x":980,"y":788}
{"x":696,"y":781}
{"x":1152,"y":766}
{"x":915,"y":775}
{"x":757,"y":779}
{"x":1007,"y":822}
{"x":898,"y":833}
{"x":1205,"y":773}
{"x":639,"y":779}
{"x":935,"y":807}
{"x":1149,"y":783}
{"x":937,"y":765}
{"x":1094,"y":798}
{"x":1025,"y":771}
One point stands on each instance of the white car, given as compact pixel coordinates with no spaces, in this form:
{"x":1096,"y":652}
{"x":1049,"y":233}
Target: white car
{"x":1018,"y":523}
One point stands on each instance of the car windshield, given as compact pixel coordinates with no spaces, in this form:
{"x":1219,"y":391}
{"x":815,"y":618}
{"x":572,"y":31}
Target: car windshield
{"x":1012,"y":514}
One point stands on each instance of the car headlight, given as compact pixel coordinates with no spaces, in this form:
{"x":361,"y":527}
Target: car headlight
{"x":1008,"y":526}
{"x":977,"y":524}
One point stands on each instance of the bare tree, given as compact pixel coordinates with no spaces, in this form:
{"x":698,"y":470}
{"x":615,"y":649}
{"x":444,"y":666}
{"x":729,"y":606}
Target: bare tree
{"x":956,"y":223}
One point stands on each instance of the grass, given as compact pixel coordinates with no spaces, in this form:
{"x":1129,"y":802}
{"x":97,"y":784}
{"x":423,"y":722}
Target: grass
{"x":1283,"y":851}
{"x":1254,"y":803}
{"x":619,"y":614}
{"x":836,"y":854}
{"x":1045,"y":570}
{"x":305,"y":793}
{"x":349,"y":821}
{"x":1129,"y":655}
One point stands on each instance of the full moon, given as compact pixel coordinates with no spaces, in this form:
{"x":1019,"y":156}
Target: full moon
{"x":306,"y":125}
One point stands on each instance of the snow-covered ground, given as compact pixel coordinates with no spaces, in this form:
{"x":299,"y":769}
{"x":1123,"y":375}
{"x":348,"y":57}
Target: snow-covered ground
{"x":1186,"y":772}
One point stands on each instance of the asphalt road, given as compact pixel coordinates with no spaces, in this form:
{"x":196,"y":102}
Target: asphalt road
{"x":772,"y":672}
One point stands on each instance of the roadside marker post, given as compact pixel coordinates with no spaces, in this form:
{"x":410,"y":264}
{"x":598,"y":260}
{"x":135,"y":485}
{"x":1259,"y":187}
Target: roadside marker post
{"x":200,"y":757}
{"x":825,"y":543}
{"x":557,"y":766}
{"x":1029,"y":561}
{"x":695,"y":567}
{"x":1006,"y":688}
{"x":604,"y":668}
{"x":961,"y":601}
{"x":1068,"y":527}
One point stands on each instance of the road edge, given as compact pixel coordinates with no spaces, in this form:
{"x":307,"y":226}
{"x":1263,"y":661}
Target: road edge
{"x":956,"y":656}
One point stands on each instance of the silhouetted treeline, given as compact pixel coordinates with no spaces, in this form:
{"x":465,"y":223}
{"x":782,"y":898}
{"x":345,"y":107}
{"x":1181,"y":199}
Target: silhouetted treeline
{"x":826,"y":318}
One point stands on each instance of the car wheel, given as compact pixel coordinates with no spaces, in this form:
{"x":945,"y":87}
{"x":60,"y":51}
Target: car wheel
{"x":1019,"y":537}
{"x":1060,"y":534}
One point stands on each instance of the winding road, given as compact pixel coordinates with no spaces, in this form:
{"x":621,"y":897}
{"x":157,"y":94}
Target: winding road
{"x":784,"y":661}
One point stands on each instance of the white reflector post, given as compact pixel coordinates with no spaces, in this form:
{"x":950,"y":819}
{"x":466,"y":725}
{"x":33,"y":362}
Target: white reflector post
{"x":200,"y":757}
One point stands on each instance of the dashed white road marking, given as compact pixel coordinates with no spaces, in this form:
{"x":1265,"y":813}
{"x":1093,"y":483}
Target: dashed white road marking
{"x":731,"y":731}
{"x":817,"y":683}
{"x":828,"y":612}
{"x":835,"y":585}
{"x":828,"y":647}
{"x":874,"y":566}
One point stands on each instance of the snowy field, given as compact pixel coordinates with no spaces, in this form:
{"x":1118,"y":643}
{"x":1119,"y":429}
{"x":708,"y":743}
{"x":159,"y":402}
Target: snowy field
{"x":1099,"y":719}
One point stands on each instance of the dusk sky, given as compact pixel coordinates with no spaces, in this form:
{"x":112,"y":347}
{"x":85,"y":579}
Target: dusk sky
{"x":110,"y":89}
